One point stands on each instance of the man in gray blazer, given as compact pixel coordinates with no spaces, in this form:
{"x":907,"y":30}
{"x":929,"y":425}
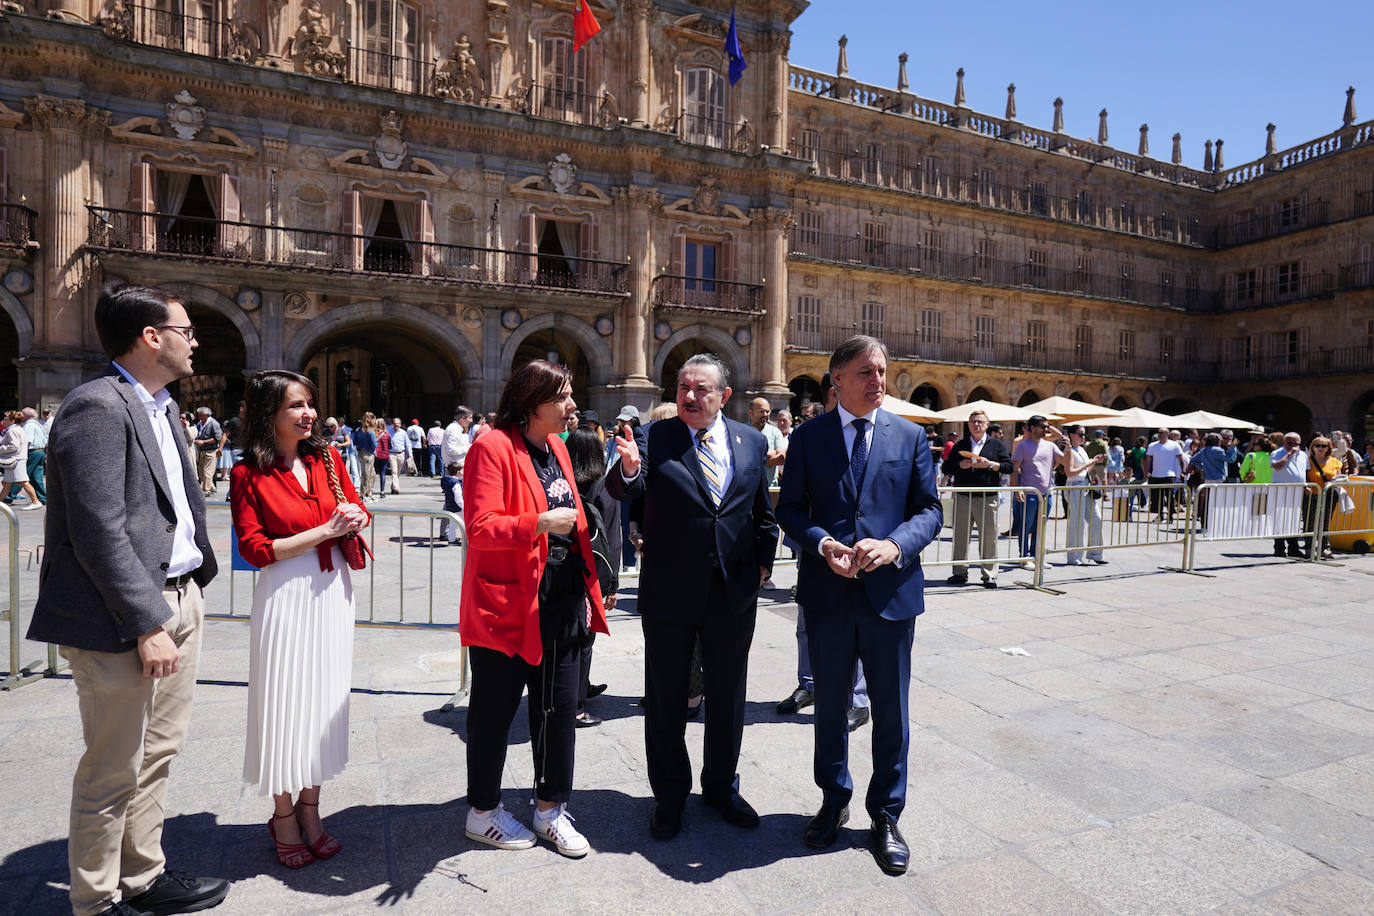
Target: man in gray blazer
{"x":127,"y":554}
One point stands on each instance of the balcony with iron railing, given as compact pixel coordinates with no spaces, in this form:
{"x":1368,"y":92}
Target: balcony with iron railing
{"x":1281,"y":222}
{"x":1357,"y":276}
{"x":1279,"y":291}
{"x":558,"y":103}
{"x":135,"y":233}
{"x":1364,"y":204}
{"x":707,"y":296}
{"x":890,"y":170}
{"x":975,"y":268}
{"x":1297,"y":364}
{"x":372,"y":67}
{"x":979,"y":350}
{"x":179,"y":31}
{"x":18,"y":226}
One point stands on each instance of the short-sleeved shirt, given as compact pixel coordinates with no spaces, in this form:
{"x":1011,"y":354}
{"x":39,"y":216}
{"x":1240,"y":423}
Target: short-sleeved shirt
{"x":1212,"y":461}
{"x":776,"y":440}
{"x":1037,"y":463}
{"x":1295,"y":471}
{"x":233,"y":428}
{"x":1256,"y":463}
{"x":1166,"y":459}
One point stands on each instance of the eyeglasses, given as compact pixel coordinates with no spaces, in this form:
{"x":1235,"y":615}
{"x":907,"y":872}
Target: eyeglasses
{"x":185,"y":330}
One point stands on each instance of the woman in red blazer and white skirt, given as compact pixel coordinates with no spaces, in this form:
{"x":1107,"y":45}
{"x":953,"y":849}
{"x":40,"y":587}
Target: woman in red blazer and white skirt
{"x":530,"y":595}
{"x":300,"y":667}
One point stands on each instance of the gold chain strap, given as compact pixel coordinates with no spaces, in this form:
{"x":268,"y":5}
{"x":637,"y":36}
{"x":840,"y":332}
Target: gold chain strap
{"x":334,"y":482}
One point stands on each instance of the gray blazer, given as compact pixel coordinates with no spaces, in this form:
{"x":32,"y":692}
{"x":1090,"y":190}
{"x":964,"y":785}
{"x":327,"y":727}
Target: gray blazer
{"x":110,"y":521}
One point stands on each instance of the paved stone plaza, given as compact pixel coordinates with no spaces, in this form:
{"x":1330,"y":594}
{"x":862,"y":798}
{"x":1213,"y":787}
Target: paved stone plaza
{"x":1169,"y":744}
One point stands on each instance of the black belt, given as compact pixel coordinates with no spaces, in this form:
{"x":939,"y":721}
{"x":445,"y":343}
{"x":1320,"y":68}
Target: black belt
{"x":179,"y":582}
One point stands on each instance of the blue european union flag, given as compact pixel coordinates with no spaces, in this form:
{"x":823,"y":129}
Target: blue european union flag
{"x":734,"y":52}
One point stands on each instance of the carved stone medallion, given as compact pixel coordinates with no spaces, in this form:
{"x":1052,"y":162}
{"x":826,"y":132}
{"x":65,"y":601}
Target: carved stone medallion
{"x":185,"y":117}
{"x":561,"y":174}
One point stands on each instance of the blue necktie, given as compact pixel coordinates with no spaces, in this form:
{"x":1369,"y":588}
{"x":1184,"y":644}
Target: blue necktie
{"x":858,"y":459}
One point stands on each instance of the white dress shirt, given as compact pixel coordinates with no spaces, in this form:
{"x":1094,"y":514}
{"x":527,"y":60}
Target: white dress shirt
{"x":186,"y":556}
{"x":976,"y":445}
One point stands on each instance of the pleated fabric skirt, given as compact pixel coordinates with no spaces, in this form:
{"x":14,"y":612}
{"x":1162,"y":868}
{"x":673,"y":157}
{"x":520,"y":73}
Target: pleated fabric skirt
{"x":300,"y":671}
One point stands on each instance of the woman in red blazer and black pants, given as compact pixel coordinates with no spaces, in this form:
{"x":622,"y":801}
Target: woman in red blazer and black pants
{"x":530,"y":596}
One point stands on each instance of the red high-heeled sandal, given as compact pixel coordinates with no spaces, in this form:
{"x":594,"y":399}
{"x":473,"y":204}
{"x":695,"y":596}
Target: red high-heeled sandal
{"x":326,"y":847}
{"x":292,"y":855}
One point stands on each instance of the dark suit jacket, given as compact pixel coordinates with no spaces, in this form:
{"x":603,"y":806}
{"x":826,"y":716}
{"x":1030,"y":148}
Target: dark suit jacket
{"x":993,"y":449}
{"x":899,"y":501}
{"x":110,"y":521}
{"x":685,"y":535}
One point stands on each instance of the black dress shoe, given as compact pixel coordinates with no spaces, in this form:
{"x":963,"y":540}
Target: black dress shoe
{"x":857,"y":715}
{"x":956,"y":580}
{"x":665,"y":822}
{"x":586,"y":720}
{"x":595,"y":690}
{"x":989,"y":583}
{"x":120,"y":909}
{"x":694,"y":712}
{"x":824,"y":829}
{"x":733,"y":808}
{"x":800,"y":699}
{"x":888,"y":846}
{"x":178,"y":892}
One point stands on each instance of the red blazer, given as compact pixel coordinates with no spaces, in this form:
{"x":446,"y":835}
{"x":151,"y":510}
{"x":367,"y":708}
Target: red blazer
{"x":267,"y":505}
{"x":502,"y":500}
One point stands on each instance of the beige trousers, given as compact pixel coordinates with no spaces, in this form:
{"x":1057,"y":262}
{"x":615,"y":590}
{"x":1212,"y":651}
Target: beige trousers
{"x":133,"y":726}
{"x":981,"y":510}
{"x":205,"y":469}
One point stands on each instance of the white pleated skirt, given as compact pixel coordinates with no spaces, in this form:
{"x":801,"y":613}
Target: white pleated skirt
{"x":300,"y":671}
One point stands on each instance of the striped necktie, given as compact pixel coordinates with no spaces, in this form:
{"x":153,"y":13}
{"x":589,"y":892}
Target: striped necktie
{"x":858,"y":459}
{"x":710,"y":466}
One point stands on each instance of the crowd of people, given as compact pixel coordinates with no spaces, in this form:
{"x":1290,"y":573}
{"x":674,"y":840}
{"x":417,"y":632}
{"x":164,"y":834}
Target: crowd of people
{"x":555,"y":504}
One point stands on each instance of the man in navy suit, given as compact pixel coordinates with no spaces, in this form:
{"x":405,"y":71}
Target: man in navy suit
{"x":709,"y":539}
{"x":858,"y":495}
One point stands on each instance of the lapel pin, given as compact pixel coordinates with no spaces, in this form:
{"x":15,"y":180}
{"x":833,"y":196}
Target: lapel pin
{"x":739,"y":440}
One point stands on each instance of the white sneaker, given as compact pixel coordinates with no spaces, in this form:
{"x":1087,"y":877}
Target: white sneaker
{"x":499,"y":828}
{"x":558,"y":829}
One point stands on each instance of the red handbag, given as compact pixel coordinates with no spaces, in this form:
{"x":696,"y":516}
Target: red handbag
{"x":352,"y":544}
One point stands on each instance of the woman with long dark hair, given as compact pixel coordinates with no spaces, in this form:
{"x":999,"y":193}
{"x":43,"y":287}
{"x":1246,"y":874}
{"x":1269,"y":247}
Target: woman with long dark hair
{"x":530,"y":597}
{"x":290,"y":522}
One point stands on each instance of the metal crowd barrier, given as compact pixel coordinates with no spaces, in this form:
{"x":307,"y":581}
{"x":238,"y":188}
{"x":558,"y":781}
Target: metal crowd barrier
{"x":1253,"y":511}
{"x":939,"y":553}
{"x":1349,"y":527}
{"x":19,"y":674}
{"x":1125,"y":515}
{"x":377,"y":534}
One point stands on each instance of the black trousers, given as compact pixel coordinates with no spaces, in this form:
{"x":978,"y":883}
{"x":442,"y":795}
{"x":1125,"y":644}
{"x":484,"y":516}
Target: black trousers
{"x":726,"y":634}
{"x":498,"y":680}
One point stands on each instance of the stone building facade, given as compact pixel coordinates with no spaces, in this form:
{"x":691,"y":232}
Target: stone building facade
{"x":408,"y":198}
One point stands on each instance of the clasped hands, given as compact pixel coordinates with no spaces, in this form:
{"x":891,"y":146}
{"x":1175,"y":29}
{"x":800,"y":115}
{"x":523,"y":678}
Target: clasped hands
{"x":865,"y":556}
{"x":345,"y":518}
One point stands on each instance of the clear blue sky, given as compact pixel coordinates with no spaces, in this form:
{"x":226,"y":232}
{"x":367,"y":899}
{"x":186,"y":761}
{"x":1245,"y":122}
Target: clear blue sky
{"x":1205,"y":70}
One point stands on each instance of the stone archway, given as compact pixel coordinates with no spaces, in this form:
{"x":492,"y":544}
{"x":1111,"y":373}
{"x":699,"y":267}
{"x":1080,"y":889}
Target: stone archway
{"x":387,"y":356}
{"x":412,"y":317}
{"x":718,"y":342}
{"x":204,"y":297}
{"x":1029,"y":396}
{"x":592,"y":344}
{"x":1274,"y":412}
{"x":16,"y":341}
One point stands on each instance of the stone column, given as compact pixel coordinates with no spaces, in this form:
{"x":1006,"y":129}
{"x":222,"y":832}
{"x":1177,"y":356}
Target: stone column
{"x":641,"y":64}
{"x":773,"y":222}
{"x":630,"y":380}
{"x":64,"y":343}
{"x":272,"y":328}
{"x":777,"y":44}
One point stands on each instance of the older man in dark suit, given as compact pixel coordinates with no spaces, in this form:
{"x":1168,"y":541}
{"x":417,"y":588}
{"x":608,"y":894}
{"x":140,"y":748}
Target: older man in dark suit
{"x":120,"y":590}
{"x":709,"y":539}
{"x":858,"y":495}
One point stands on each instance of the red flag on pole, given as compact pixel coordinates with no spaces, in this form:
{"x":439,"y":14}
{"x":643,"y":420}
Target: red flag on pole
{"x":584,"y":25}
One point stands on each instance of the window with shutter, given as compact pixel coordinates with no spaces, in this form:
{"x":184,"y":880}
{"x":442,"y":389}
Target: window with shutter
{"x":931,"y":328}
{"x":808,"y":144}
{"x":933,"y":251}
{"x":562,"y":91}
{"x":875,"y":244}
{"x":871,"y":319}
{"x":806,"y":323}
{"x":703,"y":105}
{"x":1037,"y":337}
{"x":1125,"y":345}
{"x":390,"y":45}
{"x":1037,"y":268}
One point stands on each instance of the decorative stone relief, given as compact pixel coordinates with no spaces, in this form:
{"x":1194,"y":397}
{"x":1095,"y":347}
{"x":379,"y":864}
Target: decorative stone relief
{"x":561,"y":174}
{"x":118,"y":22}
{"x":518,"y":95}
{"x":312,"y":41}
{"x":460,"y":78}
{"x":472,"y":317}
{"x":390,"y":148}
{"x":296,"y":303}
{"x":510,"y":319}
{"x":706,"y":198}
{"x":186,"y":118}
